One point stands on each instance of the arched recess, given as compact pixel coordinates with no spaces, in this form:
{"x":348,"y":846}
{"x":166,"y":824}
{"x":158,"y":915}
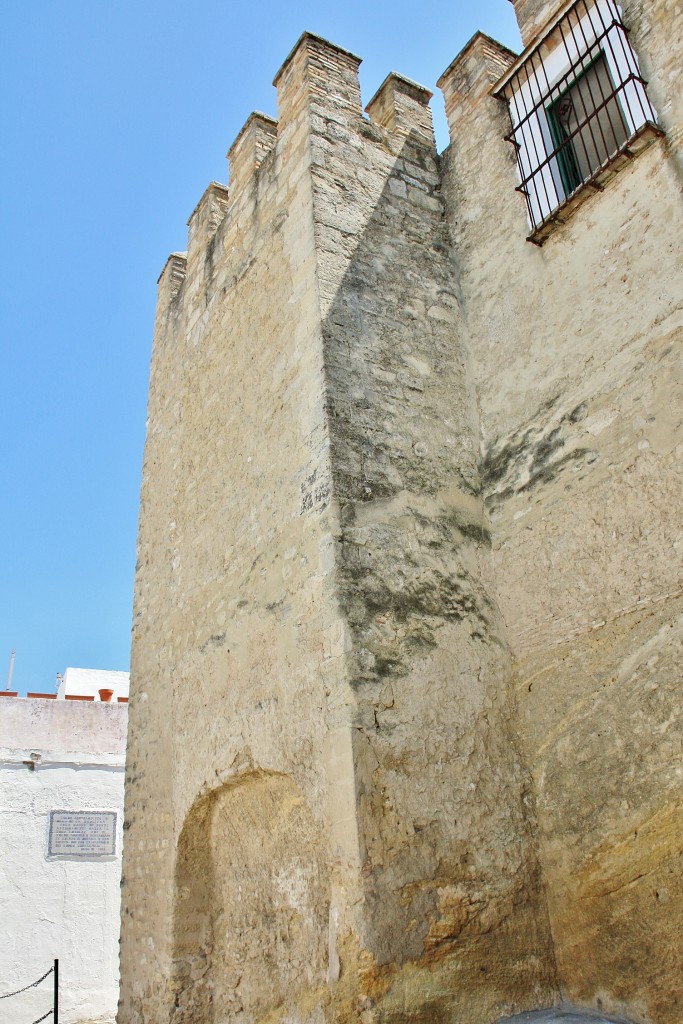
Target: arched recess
{"x":251,"y":903}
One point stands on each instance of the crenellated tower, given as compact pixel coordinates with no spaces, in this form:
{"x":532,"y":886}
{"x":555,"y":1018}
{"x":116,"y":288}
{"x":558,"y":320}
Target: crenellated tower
{"x":337,"y":748}
{"x":350,"y":785}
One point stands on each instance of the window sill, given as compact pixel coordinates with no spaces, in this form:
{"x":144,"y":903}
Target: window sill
{"x":638,"y":142}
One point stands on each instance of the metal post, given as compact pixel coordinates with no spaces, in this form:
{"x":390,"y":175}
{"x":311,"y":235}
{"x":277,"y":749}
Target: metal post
{"x":11,"y":670}
{"x":55,"y":1013}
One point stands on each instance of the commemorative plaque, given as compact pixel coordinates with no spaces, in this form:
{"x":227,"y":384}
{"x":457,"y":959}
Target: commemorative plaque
{"x":86,"y":834}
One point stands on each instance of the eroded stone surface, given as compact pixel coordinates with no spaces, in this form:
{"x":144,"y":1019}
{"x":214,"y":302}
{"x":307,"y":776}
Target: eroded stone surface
{"x":577,"y":366}
{"x":405,"y":738}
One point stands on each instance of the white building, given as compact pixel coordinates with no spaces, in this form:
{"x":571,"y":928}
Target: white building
{"x":89,"y":681}
{"x":62,"y":759}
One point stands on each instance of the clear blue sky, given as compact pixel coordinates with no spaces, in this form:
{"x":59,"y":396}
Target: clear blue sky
{"x":115,"y":116}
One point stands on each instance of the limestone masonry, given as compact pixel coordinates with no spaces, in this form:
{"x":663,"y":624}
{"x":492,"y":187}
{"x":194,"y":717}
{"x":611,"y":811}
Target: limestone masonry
{"x":405,"y":723}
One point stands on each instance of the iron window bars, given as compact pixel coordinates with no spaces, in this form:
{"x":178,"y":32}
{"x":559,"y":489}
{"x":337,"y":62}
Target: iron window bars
{"x":577,"y":104}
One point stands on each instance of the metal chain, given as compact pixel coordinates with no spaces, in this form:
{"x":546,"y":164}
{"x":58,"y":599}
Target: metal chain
{"x":48,"y":1014}
{"x":27,"y":987}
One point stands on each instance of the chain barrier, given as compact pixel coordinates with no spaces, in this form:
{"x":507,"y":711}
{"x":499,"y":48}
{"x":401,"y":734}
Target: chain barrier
{"x":27,"y":987}
{"x":48,"y":1014}
{"x":54,"y":1011}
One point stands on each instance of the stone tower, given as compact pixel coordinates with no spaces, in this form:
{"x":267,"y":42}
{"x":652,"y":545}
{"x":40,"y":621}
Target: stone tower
{"x":405,"y":742}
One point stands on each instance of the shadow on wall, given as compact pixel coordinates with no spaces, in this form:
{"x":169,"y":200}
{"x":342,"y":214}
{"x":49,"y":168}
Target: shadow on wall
{"x":446,"y":846}
{"x":445,"y":839}
{"x":401,"y":420}
{"x":250,"y":921}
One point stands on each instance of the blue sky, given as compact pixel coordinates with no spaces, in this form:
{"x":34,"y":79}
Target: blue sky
{"x":115,"y":116}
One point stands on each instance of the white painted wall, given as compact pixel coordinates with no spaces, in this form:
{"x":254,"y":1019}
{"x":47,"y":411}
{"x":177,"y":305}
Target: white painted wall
{"x":58,"y":906}
{"x":89,"y":681}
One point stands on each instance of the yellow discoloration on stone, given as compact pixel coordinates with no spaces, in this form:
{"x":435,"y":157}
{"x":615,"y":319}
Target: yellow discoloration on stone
{"x":623,"y":862}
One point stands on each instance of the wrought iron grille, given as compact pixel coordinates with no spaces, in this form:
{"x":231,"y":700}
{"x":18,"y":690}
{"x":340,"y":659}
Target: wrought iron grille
{"x":577,"y":104}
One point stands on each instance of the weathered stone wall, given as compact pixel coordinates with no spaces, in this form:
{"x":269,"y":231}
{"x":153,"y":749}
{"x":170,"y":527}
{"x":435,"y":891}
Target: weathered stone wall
{"x":450,"y":925}
{"x":146,"y":883}
{"x":532,"y":16}
{"x":322,"y":783}
{"x":404,"y":737}
{"x":232,"y":616}
{"x":576,"y":357}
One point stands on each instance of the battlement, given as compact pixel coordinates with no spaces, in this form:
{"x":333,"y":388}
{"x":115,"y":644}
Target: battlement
{"x":402,"y":106}
{"x":253,"y":144}
{"x":319,"y":73}
{"x":469,"y":78}
{"x":317,"y":83}
{"x":173,"y":271}
{"x":532,"y":15}
{"x":203,"y":222}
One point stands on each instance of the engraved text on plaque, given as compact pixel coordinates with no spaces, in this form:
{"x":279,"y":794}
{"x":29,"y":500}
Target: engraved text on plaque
{"x":82,"y":834}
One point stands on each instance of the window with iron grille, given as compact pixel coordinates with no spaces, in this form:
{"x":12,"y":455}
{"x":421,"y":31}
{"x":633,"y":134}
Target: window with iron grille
{"x":577,"y":105}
